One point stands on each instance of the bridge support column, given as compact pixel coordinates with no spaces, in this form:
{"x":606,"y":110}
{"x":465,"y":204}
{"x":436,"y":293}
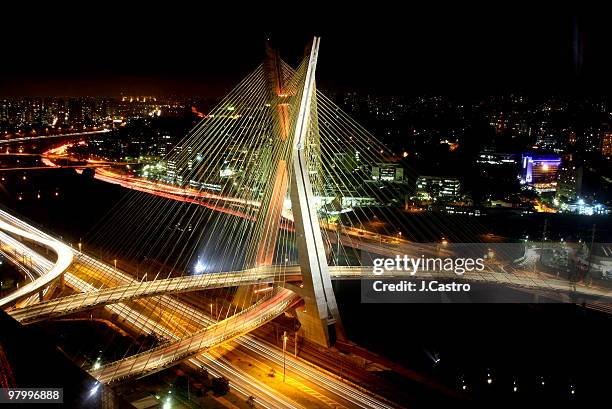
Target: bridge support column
{"x":273,"y":200}
{"x":320,"y":317}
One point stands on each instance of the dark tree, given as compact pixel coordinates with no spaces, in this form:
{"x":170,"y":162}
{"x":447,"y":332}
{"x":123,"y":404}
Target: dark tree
{"x":220,"y":386}
{"x":89,"y":173}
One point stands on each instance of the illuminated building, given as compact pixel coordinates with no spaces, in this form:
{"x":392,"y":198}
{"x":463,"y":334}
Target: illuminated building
{"x":584,"y":208}
{"x":437,"y":187}
{"x":387,"y":172}
{"x":592,"y":139}
{"x":606,"y":144}
{"x":569,"y":183}
{"x":496,"y":158}
{"x":546,"y":140}
{"x":540,"y":171}
{"x":172,"y":171}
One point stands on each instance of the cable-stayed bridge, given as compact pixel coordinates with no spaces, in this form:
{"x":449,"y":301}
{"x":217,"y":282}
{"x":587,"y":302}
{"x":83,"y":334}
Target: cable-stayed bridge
{"x":269,"y":124}
{"x":244,"y":200}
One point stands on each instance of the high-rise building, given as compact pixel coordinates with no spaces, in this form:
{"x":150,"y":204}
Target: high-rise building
{"x":606,"y":144}
{"x":591,"y":139}
{"x":75,"y":112}
{"x":569,"y":184}
{"x":546,"y":140}
{"x":540,"y":171}
{"x":4,"y":110}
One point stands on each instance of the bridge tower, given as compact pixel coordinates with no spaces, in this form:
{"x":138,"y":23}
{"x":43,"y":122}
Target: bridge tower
{"x":320,"y":318}
{"x":274,"y":198}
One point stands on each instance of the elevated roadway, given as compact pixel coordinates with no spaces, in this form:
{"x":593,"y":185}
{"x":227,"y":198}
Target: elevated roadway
{"x":265,"y":275}
{"x":266,"y":397}
{"x":9,"y":224}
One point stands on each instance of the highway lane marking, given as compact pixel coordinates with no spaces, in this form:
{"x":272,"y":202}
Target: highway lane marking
{"x":288,"y":379}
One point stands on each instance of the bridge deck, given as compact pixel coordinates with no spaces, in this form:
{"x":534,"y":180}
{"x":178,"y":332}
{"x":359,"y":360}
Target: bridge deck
{"x":218,"y":333}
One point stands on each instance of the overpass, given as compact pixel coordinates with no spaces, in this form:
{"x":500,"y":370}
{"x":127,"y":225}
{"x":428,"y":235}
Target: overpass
{"x":83,"y":301}
{"x":247,"y":385}
{"x":63,"y":252}
{"x":518,"y":278}
{"x":168,"y":354}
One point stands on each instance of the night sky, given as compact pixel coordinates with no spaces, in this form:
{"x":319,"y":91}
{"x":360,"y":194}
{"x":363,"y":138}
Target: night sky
{"x":201,"y":51}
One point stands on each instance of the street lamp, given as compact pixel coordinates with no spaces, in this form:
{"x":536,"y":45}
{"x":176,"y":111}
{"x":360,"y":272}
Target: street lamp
{"x":284,"y":348}
{"x":80,"y":247}
{"x":94,"y":389}
{"x":211,"y":312}
{"x":97,"y":364}
{"x":115,"y":262}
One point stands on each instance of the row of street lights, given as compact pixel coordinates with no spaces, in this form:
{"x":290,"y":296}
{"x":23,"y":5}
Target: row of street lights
{"x":515,"y":388}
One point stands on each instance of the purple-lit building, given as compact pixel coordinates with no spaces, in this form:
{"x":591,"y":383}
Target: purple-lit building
{"x":540,"y":170}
